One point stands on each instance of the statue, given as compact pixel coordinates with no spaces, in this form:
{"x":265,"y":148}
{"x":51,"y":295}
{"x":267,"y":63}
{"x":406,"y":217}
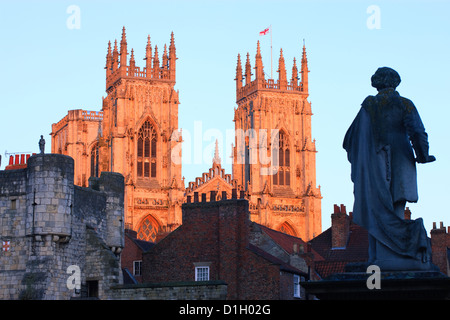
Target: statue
{"x":42,"y":144}
{"x":380,"y":144}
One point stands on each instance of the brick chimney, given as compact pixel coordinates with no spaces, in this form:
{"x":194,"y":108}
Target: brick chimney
{"x":440,"y":241}
{"x":340,"y":227}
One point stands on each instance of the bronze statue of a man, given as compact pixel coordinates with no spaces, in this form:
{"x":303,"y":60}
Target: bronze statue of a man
{"x":383,"y":144}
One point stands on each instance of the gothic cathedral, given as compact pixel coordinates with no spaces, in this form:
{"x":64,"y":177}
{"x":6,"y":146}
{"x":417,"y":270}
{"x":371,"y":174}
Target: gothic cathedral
{"x":137,"y":131}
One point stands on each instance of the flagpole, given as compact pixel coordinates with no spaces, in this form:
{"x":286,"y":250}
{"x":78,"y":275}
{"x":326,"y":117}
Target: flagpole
{"x":271,"y":69}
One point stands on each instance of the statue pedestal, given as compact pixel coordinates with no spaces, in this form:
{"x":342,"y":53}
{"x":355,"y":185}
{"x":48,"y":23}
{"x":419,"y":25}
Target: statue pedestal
{"x":395,"y":285}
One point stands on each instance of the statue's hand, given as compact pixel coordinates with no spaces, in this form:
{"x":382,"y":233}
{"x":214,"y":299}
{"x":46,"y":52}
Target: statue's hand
{"x":427,"y":159}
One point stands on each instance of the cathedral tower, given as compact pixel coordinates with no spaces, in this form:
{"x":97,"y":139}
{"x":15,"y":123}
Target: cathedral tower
{"x":134,"y":135}
{"x":274,"y":158}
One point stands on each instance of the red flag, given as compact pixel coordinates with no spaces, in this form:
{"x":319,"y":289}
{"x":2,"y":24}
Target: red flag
{"x":264,"y":32}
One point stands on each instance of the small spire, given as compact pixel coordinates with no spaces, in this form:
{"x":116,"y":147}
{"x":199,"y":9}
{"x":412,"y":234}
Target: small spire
{"x":123,"y":49}
{"x":148,"y":58}
{"x":294,"y":79}
{"x":132,"y":64}
{"x":238,"y":72}
{"x":248,"y":70}
{"x":172,"y":58}
{"x":164,"y":57}
{"x":148,"y":47}
{"x":282,"y":71}
{"x":259,"y":69}
{"x":156,"y":56}
{"x":216,"y":159}
{"x":99,"y":131}
{"x":258,"y":50}
{"x":115,"y":57}
{"x":172,"y":44}
{"x":304,"y":51}
{"x":124,"y":36}
{"x":156,"y":64}
{"x":108,"y":59}
{"x":304,"y":69}
{"x":239,"y":65}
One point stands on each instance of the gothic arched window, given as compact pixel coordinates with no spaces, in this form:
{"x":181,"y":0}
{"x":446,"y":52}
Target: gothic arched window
{"x":94,"y":161}
{"x":287,"y":228}
{"x":146,"y":151}
{"x":148,"y":230}
{"x":283,"y":175}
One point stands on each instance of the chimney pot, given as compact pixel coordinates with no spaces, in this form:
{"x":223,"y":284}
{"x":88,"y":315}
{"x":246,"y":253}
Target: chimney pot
{"x":336,"y":208}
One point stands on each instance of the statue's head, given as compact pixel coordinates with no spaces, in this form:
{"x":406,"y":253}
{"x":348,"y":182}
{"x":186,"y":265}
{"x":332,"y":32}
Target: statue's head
{"x":385,"y":78}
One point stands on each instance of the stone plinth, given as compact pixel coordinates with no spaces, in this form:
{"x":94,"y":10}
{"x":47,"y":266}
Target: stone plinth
{"x":399,"y":285}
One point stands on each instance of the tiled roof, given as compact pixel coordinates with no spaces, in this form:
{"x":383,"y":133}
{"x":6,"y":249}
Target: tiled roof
{"x":128,"y":277}
{"x":142,"y":244}
{"x":326,"y":268}
{"x":286,"y":241}
{"x":335,"y":259}
{"x":283,"y":266}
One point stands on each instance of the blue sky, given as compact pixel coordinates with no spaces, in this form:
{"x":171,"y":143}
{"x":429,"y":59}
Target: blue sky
{"x":48,"y":69}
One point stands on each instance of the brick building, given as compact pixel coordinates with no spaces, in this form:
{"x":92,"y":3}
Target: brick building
{"x":131,"y":257}
{"x":217,"y":241}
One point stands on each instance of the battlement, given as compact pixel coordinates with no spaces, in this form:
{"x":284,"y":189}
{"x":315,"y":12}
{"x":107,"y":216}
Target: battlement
{"x":207,"y":176}
{"x":260,"y":83}
{"x":203,"y":198}
{"x":117,"y":67}
{"x":75,"y":115}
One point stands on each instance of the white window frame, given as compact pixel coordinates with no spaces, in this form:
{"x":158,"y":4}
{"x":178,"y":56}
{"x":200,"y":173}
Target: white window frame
{"x":297,"y":288}
{"x":202,"y":273}
{"x":139,"y":262}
